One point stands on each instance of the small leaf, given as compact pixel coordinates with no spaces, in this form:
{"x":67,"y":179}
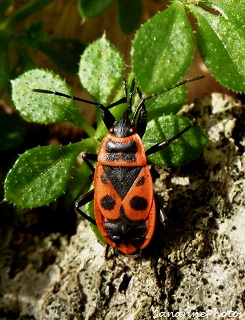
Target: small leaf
{"x":93,"y":8}
{"x":40,"y":107}
{"x":65,"y":53}
{"x":41,"y":175}
{"x":129,"y":14}
{"x":166,"y":103}
{"x":179,"y":152}
{"x":101,"y":69}
{"x":12,"y":131}
{"x":221,"y":43}
{"x":163,"y":49}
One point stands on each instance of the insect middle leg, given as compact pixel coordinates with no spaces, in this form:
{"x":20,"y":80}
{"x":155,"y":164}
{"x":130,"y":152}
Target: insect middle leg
{"x":89,"y":196}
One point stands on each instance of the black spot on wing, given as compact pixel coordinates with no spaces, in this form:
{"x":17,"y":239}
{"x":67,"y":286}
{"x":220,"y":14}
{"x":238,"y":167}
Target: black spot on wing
{"x":138,"y":203}
{"x":108,"y":202}
{"x":141,"y":181}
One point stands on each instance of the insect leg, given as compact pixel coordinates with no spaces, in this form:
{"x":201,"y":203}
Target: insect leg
{"x":161,"y":145}
{"x":85,"y":198}
{"x":89,"y":156}
{"x":89,"y":196}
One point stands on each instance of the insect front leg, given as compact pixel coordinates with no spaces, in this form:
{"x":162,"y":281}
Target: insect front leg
{"x":84,"y":199}
{"x":89,"y":156}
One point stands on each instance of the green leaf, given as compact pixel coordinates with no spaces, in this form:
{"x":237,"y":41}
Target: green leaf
{"x":229,"y":9}
{"x":93,"y":8}
{"x":41,"y":175}
{"x":163,"y":49}
{"x":181,"y":151}
{"x":221,"y":43}
{"x":129,"y":14}
{"x":45,"y":108}
{"x":65,"y":53}
{"x":101,"y":69}
{"x":166,"y":103}
{"x":12,"y":131}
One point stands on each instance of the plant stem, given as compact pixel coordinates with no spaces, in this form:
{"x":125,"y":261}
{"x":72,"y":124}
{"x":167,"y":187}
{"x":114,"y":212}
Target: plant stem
{"x":85,"y":126}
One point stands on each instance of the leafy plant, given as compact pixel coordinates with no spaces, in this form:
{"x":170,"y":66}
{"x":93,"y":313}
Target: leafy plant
{"x":42,"y":174}
{"x":169,"y":36}
{"x":63,"y":52}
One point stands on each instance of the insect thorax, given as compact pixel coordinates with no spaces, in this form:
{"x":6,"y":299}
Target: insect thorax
{"x":126,"y":151}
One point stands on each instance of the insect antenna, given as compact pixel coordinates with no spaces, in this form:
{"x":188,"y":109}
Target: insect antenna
{"x":57,"y":93}
{"x":75,"y":98}
{"x":107,"y":116}
{"x":129,"y":98}
{"x":141,"y":103}
{"x":181,"y":83}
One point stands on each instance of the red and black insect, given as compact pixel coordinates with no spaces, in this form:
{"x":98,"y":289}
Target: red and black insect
{"x":124,"y":202}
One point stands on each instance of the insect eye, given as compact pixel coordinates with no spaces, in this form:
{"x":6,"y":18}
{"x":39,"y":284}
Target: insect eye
{"x":132,"y":130}
{"x":111,"y":130}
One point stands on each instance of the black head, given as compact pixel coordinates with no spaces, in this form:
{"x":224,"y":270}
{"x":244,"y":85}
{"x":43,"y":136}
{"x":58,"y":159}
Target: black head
{"x":123,"y":127}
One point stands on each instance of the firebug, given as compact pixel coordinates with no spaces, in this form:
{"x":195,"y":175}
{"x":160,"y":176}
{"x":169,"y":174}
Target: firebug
{"x":124,"y":202}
